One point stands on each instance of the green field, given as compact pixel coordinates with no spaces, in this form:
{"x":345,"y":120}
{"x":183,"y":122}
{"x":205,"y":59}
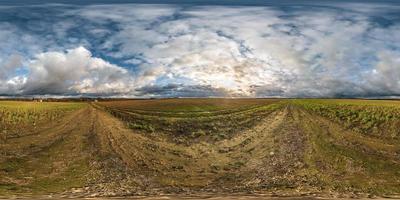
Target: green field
{"x":281,"y":147}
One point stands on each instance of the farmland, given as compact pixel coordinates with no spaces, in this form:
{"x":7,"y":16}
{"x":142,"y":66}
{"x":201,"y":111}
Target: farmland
{"x":188,"y":119}
{"x":27,"y":116}
{"x":280,"y":147}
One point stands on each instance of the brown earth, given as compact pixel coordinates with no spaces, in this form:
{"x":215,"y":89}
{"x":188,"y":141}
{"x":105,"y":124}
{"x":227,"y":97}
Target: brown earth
{"x":90,"y":154}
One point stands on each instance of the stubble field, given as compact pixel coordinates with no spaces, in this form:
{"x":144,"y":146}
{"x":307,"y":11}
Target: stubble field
{"x":275,"y":147}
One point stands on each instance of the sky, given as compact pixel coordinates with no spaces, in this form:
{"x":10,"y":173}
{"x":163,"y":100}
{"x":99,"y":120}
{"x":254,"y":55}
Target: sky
{"x":228,"y":48}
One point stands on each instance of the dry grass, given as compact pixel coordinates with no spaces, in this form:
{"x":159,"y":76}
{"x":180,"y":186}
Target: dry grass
{"x":176,"y":146}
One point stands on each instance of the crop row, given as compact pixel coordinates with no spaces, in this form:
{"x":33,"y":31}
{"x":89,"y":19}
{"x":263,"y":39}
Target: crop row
{"x":375,"y":120}
{"x":25,"y":116}
{"x":203,"y":127}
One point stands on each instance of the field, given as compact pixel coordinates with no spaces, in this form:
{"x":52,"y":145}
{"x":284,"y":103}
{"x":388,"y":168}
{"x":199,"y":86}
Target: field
{"x":274,"y":147}
{"x":19,"y":118}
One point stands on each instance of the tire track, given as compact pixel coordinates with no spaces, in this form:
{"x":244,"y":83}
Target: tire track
{"x":172,"y":167}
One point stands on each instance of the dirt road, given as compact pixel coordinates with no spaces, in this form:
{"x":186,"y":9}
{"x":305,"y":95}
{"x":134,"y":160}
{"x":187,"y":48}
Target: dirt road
{"x":91,"y":154}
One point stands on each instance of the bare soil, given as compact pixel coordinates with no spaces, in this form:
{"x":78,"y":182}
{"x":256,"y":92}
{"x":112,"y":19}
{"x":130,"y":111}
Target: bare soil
{"x":290,"y":154}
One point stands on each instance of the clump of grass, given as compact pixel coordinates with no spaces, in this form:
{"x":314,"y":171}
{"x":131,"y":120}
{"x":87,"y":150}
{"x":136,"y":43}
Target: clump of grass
{"x":141,"y":126}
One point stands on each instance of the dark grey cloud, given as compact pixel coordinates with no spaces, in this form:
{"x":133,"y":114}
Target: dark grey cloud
{"x":180,"y":90}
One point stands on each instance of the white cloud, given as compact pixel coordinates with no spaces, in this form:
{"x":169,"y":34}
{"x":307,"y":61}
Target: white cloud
{"x":386,"y":76}
{"x":72,"y":72}
{"x":329,"y":50}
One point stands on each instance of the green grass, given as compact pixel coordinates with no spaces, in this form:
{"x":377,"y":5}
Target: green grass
{"x":232,"y":116}
{"x":348,"y":160}
{"x":40,"y":177}
{"x":73,"y":176}
{"x":370,"y":117}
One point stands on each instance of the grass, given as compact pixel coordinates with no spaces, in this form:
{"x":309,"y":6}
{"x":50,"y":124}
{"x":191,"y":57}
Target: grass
{"x":370,"y":117}
{"x":43,"y":162}
{"x":183,"y":119}
{"x":185,"y":105}
{"x":18,"y":118}
{"x":344,"y":154}
{"x":311,"y":145}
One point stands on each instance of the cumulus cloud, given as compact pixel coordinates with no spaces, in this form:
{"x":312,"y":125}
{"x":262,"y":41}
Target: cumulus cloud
{"x":385,"y":77}
{"x":75,"y":71}
{"x":326,"y":50}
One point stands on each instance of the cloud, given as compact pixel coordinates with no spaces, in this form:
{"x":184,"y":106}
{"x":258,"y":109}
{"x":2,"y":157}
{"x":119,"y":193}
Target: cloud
{"x":75,"y":71}
{"x":326,"y":50}
{"x":180,"y":90}
{"x":8,"y":83}
{"x":385,"y":78}
{"x":9,"y":65}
